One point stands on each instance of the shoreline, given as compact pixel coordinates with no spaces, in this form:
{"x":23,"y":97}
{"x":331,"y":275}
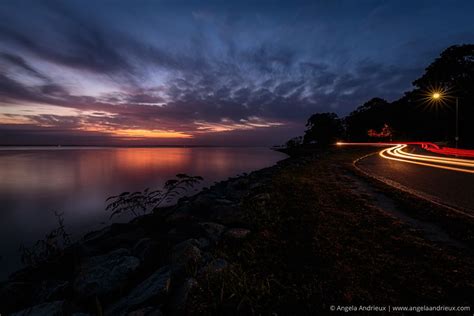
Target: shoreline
{"x":244,"y":243}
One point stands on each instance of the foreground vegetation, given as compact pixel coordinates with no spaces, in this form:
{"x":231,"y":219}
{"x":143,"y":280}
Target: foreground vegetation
{"x":318,"y":243}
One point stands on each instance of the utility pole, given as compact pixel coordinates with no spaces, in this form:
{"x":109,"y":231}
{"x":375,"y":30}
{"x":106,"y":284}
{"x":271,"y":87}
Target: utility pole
{"x":457,"y":122}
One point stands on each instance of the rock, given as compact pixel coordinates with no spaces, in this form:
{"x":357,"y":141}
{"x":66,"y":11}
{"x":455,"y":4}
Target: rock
{"x":212,"y":230}
{"x":239,"y":184}
{"x":104,"y":274}
{"x":52,"y":290}
{"x":262,"y":198}
{"x":181,"y":214}
{"x":46,"y":309}
{"x":153,"y":288}
{"x":204,"y":200}
{"x":183,"y":231}
{"x":106,"y":240}
{"x":215,"y":266}
{"x":150,"y":252}
{"x":223,"y":201}
{"x":256,"y":186}
{"x":182,"y":294}
{"x":237,"y":233}
{"x":203,"y":243}
{"x":107,"y":232}
{"x":180,"y":298}
{"x":235,"y":195}
{"x":142,"y":248}
{"x":186,"y":252}
{"x":146,"y":311}
{"x":226,"y":214}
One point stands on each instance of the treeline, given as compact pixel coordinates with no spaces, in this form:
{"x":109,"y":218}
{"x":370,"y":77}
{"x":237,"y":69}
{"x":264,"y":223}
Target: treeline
{"x":426,"y":113}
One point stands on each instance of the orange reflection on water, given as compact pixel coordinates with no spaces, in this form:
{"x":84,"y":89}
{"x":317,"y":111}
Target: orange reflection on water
{"x":144,"y":158}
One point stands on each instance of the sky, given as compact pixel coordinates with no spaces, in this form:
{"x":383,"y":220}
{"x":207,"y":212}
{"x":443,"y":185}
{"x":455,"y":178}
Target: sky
{"x":235,"y":73}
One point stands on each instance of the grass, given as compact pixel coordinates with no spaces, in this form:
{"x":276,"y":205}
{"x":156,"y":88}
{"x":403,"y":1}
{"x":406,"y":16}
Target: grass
{"x":316,"y":244}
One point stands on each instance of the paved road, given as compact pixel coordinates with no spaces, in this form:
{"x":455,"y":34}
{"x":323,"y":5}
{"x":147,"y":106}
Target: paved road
{"x":452,"y":187}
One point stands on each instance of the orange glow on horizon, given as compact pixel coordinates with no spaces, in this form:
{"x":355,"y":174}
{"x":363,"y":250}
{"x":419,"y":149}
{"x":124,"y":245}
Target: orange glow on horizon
{"x":137,"y":133}
{"x":144,"y":133}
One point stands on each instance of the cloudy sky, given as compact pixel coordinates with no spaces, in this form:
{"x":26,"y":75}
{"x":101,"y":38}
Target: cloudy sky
{"x":207,"y":72}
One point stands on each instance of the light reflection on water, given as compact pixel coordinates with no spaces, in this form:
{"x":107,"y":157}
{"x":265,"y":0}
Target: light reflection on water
{"x":76,"y":181}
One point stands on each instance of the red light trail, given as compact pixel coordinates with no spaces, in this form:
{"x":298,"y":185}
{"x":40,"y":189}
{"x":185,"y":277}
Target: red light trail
{"x":397,"y":153}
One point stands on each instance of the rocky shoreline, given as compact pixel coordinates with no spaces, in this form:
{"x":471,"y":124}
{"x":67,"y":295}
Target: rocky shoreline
{"x":145,"y":267}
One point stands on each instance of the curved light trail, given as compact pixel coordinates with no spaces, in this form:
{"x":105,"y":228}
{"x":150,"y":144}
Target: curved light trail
{"x":397,"y":153}
{"x":454,"y":164}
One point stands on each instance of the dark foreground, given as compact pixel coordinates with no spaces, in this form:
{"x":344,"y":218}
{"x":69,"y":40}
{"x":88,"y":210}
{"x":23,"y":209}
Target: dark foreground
{"x":298,"y":238}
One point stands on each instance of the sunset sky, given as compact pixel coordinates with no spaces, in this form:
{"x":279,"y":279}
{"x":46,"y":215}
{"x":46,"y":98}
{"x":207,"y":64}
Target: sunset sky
{"x":207,"y":72}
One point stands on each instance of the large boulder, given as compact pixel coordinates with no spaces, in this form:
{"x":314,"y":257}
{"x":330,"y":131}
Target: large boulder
{"x":51,"y":290}
{"x":146,"y":311}
{"x":237,"y":233}
{"x":153,"y":288}
{"x":213,"y":231}
{"x":179,"y":300}
{"x":214,"y":266}
{"x":204,"y":200}
{"x":56,"y":308}
{"x":107,"y":239}
{"x":182,"y":213}
{"x":103,"y":275}
{"x":227,"y":214}
{"x":143,"y":248}
{"x":186,"y":253}
{"x":151,"y":252}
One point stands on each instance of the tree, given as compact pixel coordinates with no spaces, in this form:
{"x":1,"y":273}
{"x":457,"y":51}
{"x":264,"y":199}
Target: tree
{"x":294,"y":142}
{"x":454,"y":69}
{"x":323,"y":129}
{"x":412,"y":117}
{"x":453,"y":72}
{"x":385,"y":133}
{"x":372,"y":115}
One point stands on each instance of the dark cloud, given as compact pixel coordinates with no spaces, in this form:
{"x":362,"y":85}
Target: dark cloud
{"x":22,"y":64}
{"x":200,"y":66}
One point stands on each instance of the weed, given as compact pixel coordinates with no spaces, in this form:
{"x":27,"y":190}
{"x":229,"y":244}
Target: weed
{"x":51,"y":246}
{"x":141,"y":202}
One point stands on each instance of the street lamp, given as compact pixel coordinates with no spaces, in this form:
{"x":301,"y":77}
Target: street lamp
{"x":439,"y":96}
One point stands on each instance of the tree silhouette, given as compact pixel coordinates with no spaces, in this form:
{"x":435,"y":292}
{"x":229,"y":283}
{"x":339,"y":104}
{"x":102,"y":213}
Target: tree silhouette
{"x":323,"y":129}
{"x":372,"y":115}
{"x":414,"y":117}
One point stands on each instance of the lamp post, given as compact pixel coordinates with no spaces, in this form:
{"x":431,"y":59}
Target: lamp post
{"x":457,"y":122}
{"x":438,"y":96}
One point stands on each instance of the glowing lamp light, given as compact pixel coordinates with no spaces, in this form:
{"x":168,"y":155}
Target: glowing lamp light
{"x":436,"y":95}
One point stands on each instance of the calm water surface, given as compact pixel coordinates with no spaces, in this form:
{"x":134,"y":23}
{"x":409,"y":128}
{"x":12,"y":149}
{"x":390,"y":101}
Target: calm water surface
{"x":35,"y":182}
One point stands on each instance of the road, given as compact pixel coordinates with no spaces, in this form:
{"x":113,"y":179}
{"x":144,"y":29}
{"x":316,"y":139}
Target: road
{"x":446,"y":179}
